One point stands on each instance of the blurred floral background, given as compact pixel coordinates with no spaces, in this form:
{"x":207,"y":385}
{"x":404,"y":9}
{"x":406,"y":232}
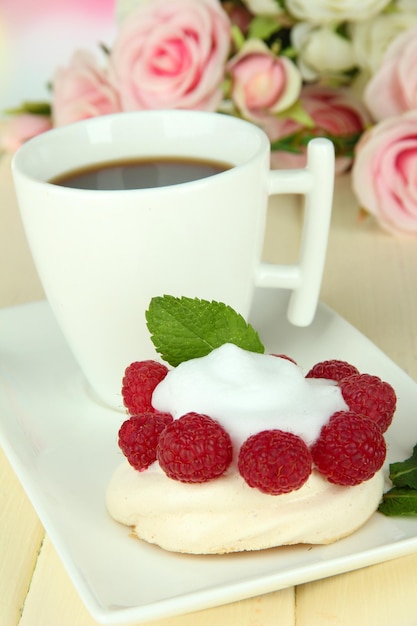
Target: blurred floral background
{"x":343,"y":69}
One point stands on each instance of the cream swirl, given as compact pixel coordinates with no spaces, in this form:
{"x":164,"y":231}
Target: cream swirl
{"x":248,"y":392}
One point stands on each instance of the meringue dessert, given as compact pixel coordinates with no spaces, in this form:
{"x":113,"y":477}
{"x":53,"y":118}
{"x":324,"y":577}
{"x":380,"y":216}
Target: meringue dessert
{"x":241,"y":502}
{"x":226,"y":515}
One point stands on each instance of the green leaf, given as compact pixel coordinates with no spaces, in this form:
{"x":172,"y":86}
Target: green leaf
{"x":37,"y":108}
{"x":399,"y":501}
{"x":105,"y":48}
{"x":263,"y":26}
{"x":298,"y":113}
{"x":404,"y":473}
{"x":238,"y":37}
{"x":188,"y":328}
{"x":287,"y":144}
{"x":290,"y":52}
{"x":342,"y":30}
{"x":344,"y":145}
{"x":226,"y":87}
{"x":391,"y":8}
{"x":402,"y":498}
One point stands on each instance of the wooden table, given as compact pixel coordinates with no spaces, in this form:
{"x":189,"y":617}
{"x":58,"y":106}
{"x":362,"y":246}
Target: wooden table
{"x":371,"y":280}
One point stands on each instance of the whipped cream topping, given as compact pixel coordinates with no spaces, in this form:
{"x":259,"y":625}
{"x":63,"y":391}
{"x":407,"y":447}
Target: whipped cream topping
{"x":247,"y":392}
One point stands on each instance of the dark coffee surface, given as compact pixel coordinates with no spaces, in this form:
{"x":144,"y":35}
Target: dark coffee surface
{"x":139,"y":174}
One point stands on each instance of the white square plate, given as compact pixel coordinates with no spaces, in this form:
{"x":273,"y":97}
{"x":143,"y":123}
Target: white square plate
{"x":63,"y":447}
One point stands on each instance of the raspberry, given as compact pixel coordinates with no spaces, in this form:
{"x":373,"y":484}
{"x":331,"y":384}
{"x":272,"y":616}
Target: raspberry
{"x":194,"y":449}
{"x":350,"y":449}
{"x":139,"y":381}
{"x":332,"y":370}
{"x":284,"y":356}
{"x":370,"y":396}
{"x":139,"y":435}
{"x":275,"y":462}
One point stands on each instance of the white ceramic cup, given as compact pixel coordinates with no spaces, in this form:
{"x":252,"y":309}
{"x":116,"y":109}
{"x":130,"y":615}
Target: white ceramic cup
{"x":102,"y":255}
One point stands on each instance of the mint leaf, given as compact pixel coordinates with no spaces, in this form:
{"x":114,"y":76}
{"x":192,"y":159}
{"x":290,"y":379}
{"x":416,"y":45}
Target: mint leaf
{"x":402,"y":498}
{"x":188,"y":328}
{"x":404,"y":473}
{"x":399,"y":501}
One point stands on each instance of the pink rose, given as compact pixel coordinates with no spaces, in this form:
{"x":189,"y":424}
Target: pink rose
{"x":171,"y":55}
{"x":261,"y":81}
{"x":19,"y":128}
{"x":384,"y":173}
{"x":393,"y":88}
{"x":334,"y":112}
{"x":82,"y":90}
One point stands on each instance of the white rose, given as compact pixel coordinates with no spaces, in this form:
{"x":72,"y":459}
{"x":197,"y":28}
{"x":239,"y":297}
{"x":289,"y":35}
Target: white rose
{"x":326,"y":11}
{"x":321,"y":51}
{"x":263,"y":7}
{"x":407,"y":6}
{"x":371,"y":38}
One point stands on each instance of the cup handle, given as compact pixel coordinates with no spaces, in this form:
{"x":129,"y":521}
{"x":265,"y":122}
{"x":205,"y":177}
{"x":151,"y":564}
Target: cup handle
{"x":316,"y":183}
